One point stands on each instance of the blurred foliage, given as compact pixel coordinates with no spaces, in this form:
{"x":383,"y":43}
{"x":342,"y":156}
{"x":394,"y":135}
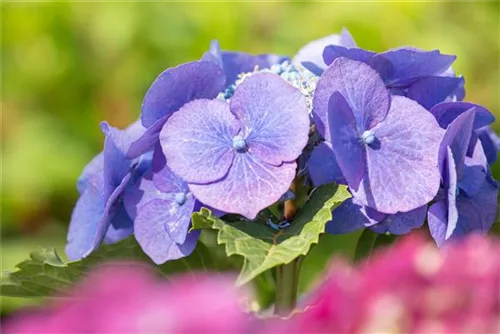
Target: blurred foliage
{"x":67,"y":66}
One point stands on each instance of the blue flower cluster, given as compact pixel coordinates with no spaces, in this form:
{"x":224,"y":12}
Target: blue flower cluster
{"x":231,"y":132}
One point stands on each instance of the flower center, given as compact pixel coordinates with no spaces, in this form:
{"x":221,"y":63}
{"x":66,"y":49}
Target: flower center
{"x":180,"y":198}
{"x":368,"y":137}
{"x":239,"y":144}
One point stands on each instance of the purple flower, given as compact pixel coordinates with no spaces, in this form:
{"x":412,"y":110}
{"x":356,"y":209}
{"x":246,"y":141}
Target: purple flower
{"x":386,"y":147}
{"x":490,"y":142}
{"x":169,"y":92}
{"x":235,"y":63}
{"x":240,"y":156}
{"x":99,"y":213}
{"x":469,"y":200}
{"x":161,"y":206}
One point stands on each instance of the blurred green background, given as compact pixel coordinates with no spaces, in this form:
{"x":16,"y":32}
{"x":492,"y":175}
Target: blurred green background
{"x":67,"y":66}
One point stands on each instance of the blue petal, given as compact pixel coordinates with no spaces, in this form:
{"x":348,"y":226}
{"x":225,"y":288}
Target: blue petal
{"x":347,"y":217}
{"x":346,"y":144}
{"x":447,"y":112}
{"x":401,"y":222}
{"x":432,"y":90}
{"x":490,"y":142}
{"x":404,"y":66}
{"x":457,"y":137}
{"x":333,"y":52}
{"x":323,"y":167}
{"x":451,"y":188}
{"x":179,"y":85}
{"x":437,"y":218}
{"x":121,"y":226}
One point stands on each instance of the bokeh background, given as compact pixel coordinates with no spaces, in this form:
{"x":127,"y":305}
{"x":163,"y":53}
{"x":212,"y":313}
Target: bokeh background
{"x":67,"y":66}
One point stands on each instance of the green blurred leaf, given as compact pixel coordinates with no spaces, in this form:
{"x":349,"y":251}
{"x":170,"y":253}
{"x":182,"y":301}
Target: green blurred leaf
{"x":264,"y":248}
{"x":365,"y":244}
{"x":45,"y":274}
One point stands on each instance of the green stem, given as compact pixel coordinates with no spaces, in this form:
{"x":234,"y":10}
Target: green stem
{"x":287,"y":282}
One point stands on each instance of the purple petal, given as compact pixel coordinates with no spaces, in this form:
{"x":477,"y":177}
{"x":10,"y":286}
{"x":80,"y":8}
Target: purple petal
{"x":274,"y":117}
{"x":347,"y":217}
{"x":457,"y":137}
{"x":93,"y":168}
{"x":401,"y":67}
{"x":121,"y":226}
{"x":402,"y":171}
{"x":451,"y":183}
{"x":151,"y":232}
{"x":250,"y":186}
{"x":179,"y":85}
{"x":472,"y":179}
{"x":323,"y":167}
{"x":91,"y":217}
{"x":432,"y":90}
{"x":478,"y":213}
{"x":147,"y":140}
{"x":333,"y":52}
{"x":140,"y":193}
{"x":437,"y":218}
{"x":362,"y":88}
{"x":163,"y":177}
{"x":490,"y":142}
{"x":447,"y":112}
{"x":402,"y":222}
{"x":312,"y":52}
{"x":197,"y":141}
{"x":346,"y":144}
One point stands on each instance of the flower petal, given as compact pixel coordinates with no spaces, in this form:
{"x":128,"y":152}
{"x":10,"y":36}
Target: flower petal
{"x":323,"y":167}
{"x":152,"y":235}
{"x":362,"y":88}
{"x":274,"y":117}
{"x":94,"y":167}
{"x":346,"y":218}
{"x":447,"y":112}
{"x":402,"y":172}
{"x":437,"y":218}
{"x":457,"y":137}
{"x":346,"y":142}
{"x":490,"y":142}
{"x":179,"y":85}
{"x":403,"y":66}
{"x":312,"y":52}
{"x":249,"y":186}
{"x":121,"y":226}
{"x":432,"y":90}
{"x":451,"y":184}
{"x":333,"y":52}
{"x":197,"y":141}
{"x":401,"y":222}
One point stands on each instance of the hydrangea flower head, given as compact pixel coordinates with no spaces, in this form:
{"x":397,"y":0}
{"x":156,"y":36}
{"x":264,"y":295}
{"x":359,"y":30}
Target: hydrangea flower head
{"x":239,"y":156}
{"x":386,"y":146}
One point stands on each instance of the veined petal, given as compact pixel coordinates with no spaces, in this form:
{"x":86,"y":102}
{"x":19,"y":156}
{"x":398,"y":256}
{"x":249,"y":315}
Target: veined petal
{"x":198,"y":141}
{"x":402,"y":172}
{"x":362,"y":88}
{"x":274,"y":117}
{"x":179,"y":85}
{"x":250,"y":186}
{"x":347,"y":145}
{"x":152,"y":235}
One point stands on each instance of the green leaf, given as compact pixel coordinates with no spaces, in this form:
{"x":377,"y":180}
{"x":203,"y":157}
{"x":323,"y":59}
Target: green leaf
{"x":365,"y":244}
{"x":44,"y":273}
{"x":262,"y":247}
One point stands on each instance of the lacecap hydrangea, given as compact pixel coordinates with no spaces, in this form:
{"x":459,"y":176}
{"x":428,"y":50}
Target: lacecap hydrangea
{"x":232,"y":131}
